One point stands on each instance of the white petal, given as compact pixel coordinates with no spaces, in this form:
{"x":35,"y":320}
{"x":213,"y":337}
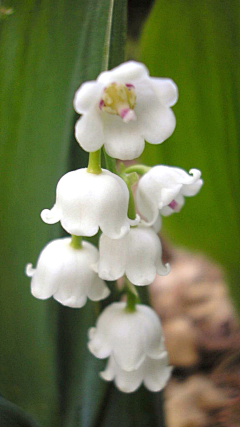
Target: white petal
{"x":29,"y":270}
{"x":98,"y":346}
{"x":151,"y":331}
{"x":89,"y":130}
{"x":65,"y":298}
{"x":157,"y":373}
{"x":124,"y":73}
{"x":113,"y":197}
{"x":98,"y":290}
{"x":86,"y":96}
{"x":158,"y":124}
{"x":157,"y":225}
{"x":166,"y":91}
{"x":51,"y":216}
{"x":122,"y":140}
{"x":100,"y":337}
{"x":166,"y":195}
{"x":109,"y":373}
{"x":147,"y":205}
{"x":80,"y":280}
{"x":128,"y":344}
{"x":163,"y":269}
{"x":193,"y":188}
{"x":144,"y":259}
{"x":112,"y":257}
{"x":154,"y":373}
{"x":155,"y":121}
{"x":45,"y":279}
{"x":126,"y":382}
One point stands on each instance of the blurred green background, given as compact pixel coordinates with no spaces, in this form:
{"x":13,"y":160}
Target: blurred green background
{"x":47,"y":48}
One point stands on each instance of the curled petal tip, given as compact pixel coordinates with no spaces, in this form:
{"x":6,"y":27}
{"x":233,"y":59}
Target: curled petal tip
{"x":50,"y":216}
{"x":95,"y":348}
{"x":196,"y":173}
{"x":166,"y":269}
{"x":123,"y":231}
{"x":91,"y":333}
{"x":135,"y":221}
{"x":148,"y":223}
{"x":105,"y":375}
{"x":128,"y":116}
{"x":29,"y":270}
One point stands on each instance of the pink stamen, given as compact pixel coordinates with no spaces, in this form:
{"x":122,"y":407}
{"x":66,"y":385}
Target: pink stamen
{"x":173,"y":205}
{"x":129,"y":85}
{"x":123,"y":112}
{"x":101,"y":104}
{"x":127,"y":115}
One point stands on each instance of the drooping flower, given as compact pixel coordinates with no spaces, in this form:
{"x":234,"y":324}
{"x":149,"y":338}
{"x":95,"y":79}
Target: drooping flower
{"x":86,"y":201}
{"x":163,"y":188}
{"x":129,"y":336}
{"x":137,"y":254}
{"x":154,"y":373}
{"x":122,"y":108}
{"x":65,"y":273}
{"x":134,"y":343}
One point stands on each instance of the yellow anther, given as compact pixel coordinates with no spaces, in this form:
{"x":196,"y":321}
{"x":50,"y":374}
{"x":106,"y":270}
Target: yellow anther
{"x":119,"y":99}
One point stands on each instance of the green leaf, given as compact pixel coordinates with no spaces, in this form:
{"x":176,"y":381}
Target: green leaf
{"x":12,"y":416}
{"x":46,"y":50}
{"x":196,"y":44}
{"x":82,"y":390}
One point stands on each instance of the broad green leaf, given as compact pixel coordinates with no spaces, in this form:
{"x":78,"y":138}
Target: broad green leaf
{"x":43,"y":59}
{"x":12,"y":416}
{"x":82,"y":390}
{"x":197,"y":45}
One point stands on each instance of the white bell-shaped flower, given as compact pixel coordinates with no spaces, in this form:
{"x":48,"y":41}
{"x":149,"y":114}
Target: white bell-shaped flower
{"x":137,"y":254}
{"x":122,"y":108}
{"x":86,"y":201}
{"x":129,"y":336}
{"x":66,"y":274}
{"x":162,"y":190}
{"x":154,"y":373}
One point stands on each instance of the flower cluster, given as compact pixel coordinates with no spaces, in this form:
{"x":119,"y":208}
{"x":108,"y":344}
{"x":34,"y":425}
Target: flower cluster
{"x":120,"y":110}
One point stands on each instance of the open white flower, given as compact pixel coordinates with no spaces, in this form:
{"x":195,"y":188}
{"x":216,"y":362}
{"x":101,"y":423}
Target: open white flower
{"x":162,"y":190}
{"x":154,"y":373}
{"x":122,"y":108}
{"x":86,"y":201}
{"x":129,"y":336}
{"x":66,"y":274}
{"x":137,"y":254}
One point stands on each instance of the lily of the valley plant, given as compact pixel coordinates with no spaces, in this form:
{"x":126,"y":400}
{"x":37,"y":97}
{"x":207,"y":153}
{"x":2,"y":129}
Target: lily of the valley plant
{"x":119,"y":111}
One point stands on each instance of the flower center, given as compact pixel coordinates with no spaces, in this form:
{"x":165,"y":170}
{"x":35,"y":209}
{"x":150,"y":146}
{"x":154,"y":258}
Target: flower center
{"x":174,"y":205}
{"x":119,"y":99}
